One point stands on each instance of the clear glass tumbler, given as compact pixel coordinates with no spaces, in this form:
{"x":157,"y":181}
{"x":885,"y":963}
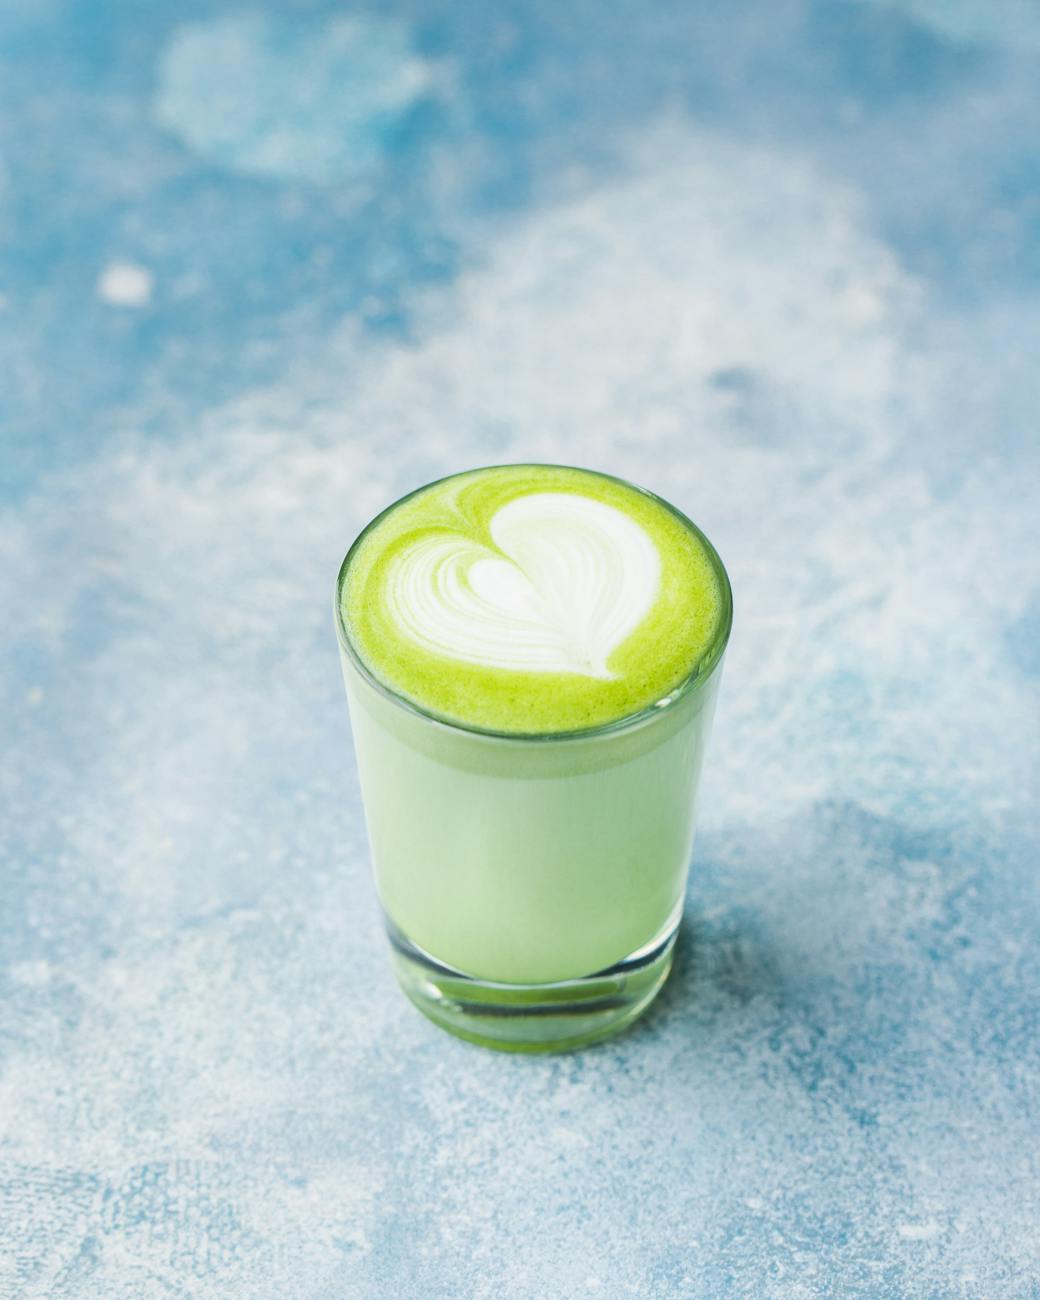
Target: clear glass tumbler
{"x":532,"y":884}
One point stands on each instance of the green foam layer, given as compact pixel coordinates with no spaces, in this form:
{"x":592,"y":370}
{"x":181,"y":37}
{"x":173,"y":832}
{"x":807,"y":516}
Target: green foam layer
{"x":682,"y":630}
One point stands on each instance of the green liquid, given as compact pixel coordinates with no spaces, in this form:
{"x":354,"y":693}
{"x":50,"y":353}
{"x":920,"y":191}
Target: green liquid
{"x":529,"y":861}
{"x":526,"y":858}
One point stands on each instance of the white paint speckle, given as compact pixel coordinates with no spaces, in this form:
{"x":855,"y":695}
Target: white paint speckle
{"x":919,"y":1231}
{"x":125,"y":284}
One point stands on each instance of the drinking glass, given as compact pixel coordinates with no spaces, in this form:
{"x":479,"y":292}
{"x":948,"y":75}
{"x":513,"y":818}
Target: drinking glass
{"x":531,"y":884}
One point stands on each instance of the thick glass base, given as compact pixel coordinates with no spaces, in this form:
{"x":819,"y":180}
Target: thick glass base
{"x":533,"y":1017}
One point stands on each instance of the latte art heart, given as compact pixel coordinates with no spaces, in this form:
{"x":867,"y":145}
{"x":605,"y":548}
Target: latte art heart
{"x":531,"y":599}
{"x":570,"y":579}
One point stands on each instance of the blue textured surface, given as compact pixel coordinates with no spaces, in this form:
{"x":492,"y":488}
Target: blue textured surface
{"x":262,"y":271}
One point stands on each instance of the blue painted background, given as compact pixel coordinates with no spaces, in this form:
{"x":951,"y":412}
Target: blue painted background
{"x":264,"y":269}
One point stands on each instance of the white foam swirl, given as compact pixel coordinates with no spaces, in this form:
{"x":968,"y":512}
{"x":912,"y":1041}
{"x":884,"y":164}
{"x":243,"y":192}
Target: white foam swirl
{"x":571,"y":579}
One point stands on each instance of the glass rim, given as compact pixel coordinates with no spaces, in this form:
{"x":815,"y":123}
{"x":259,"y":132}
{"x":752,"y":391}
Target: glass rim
{"x":699,"y":673}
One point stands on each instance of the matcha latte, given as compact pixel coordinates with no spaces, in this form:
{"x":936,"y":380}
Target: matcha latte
{"x":531,"y":655}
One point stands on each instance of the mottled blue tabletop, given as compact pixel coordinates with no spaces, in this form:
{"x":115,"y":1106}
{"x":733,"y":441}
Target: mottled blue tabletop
{"x":264,"y":269}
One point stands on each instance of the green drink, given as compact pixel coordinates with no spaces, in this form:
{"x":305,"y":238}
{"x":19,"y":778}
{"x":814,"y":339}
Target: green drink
{"x":531,"y":655}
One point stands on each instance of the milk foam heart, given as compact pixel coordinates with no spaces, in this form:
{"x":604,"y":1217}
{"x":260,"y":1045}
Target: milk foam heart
{"x":571,"y":578}
{"x":532,"y":599}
